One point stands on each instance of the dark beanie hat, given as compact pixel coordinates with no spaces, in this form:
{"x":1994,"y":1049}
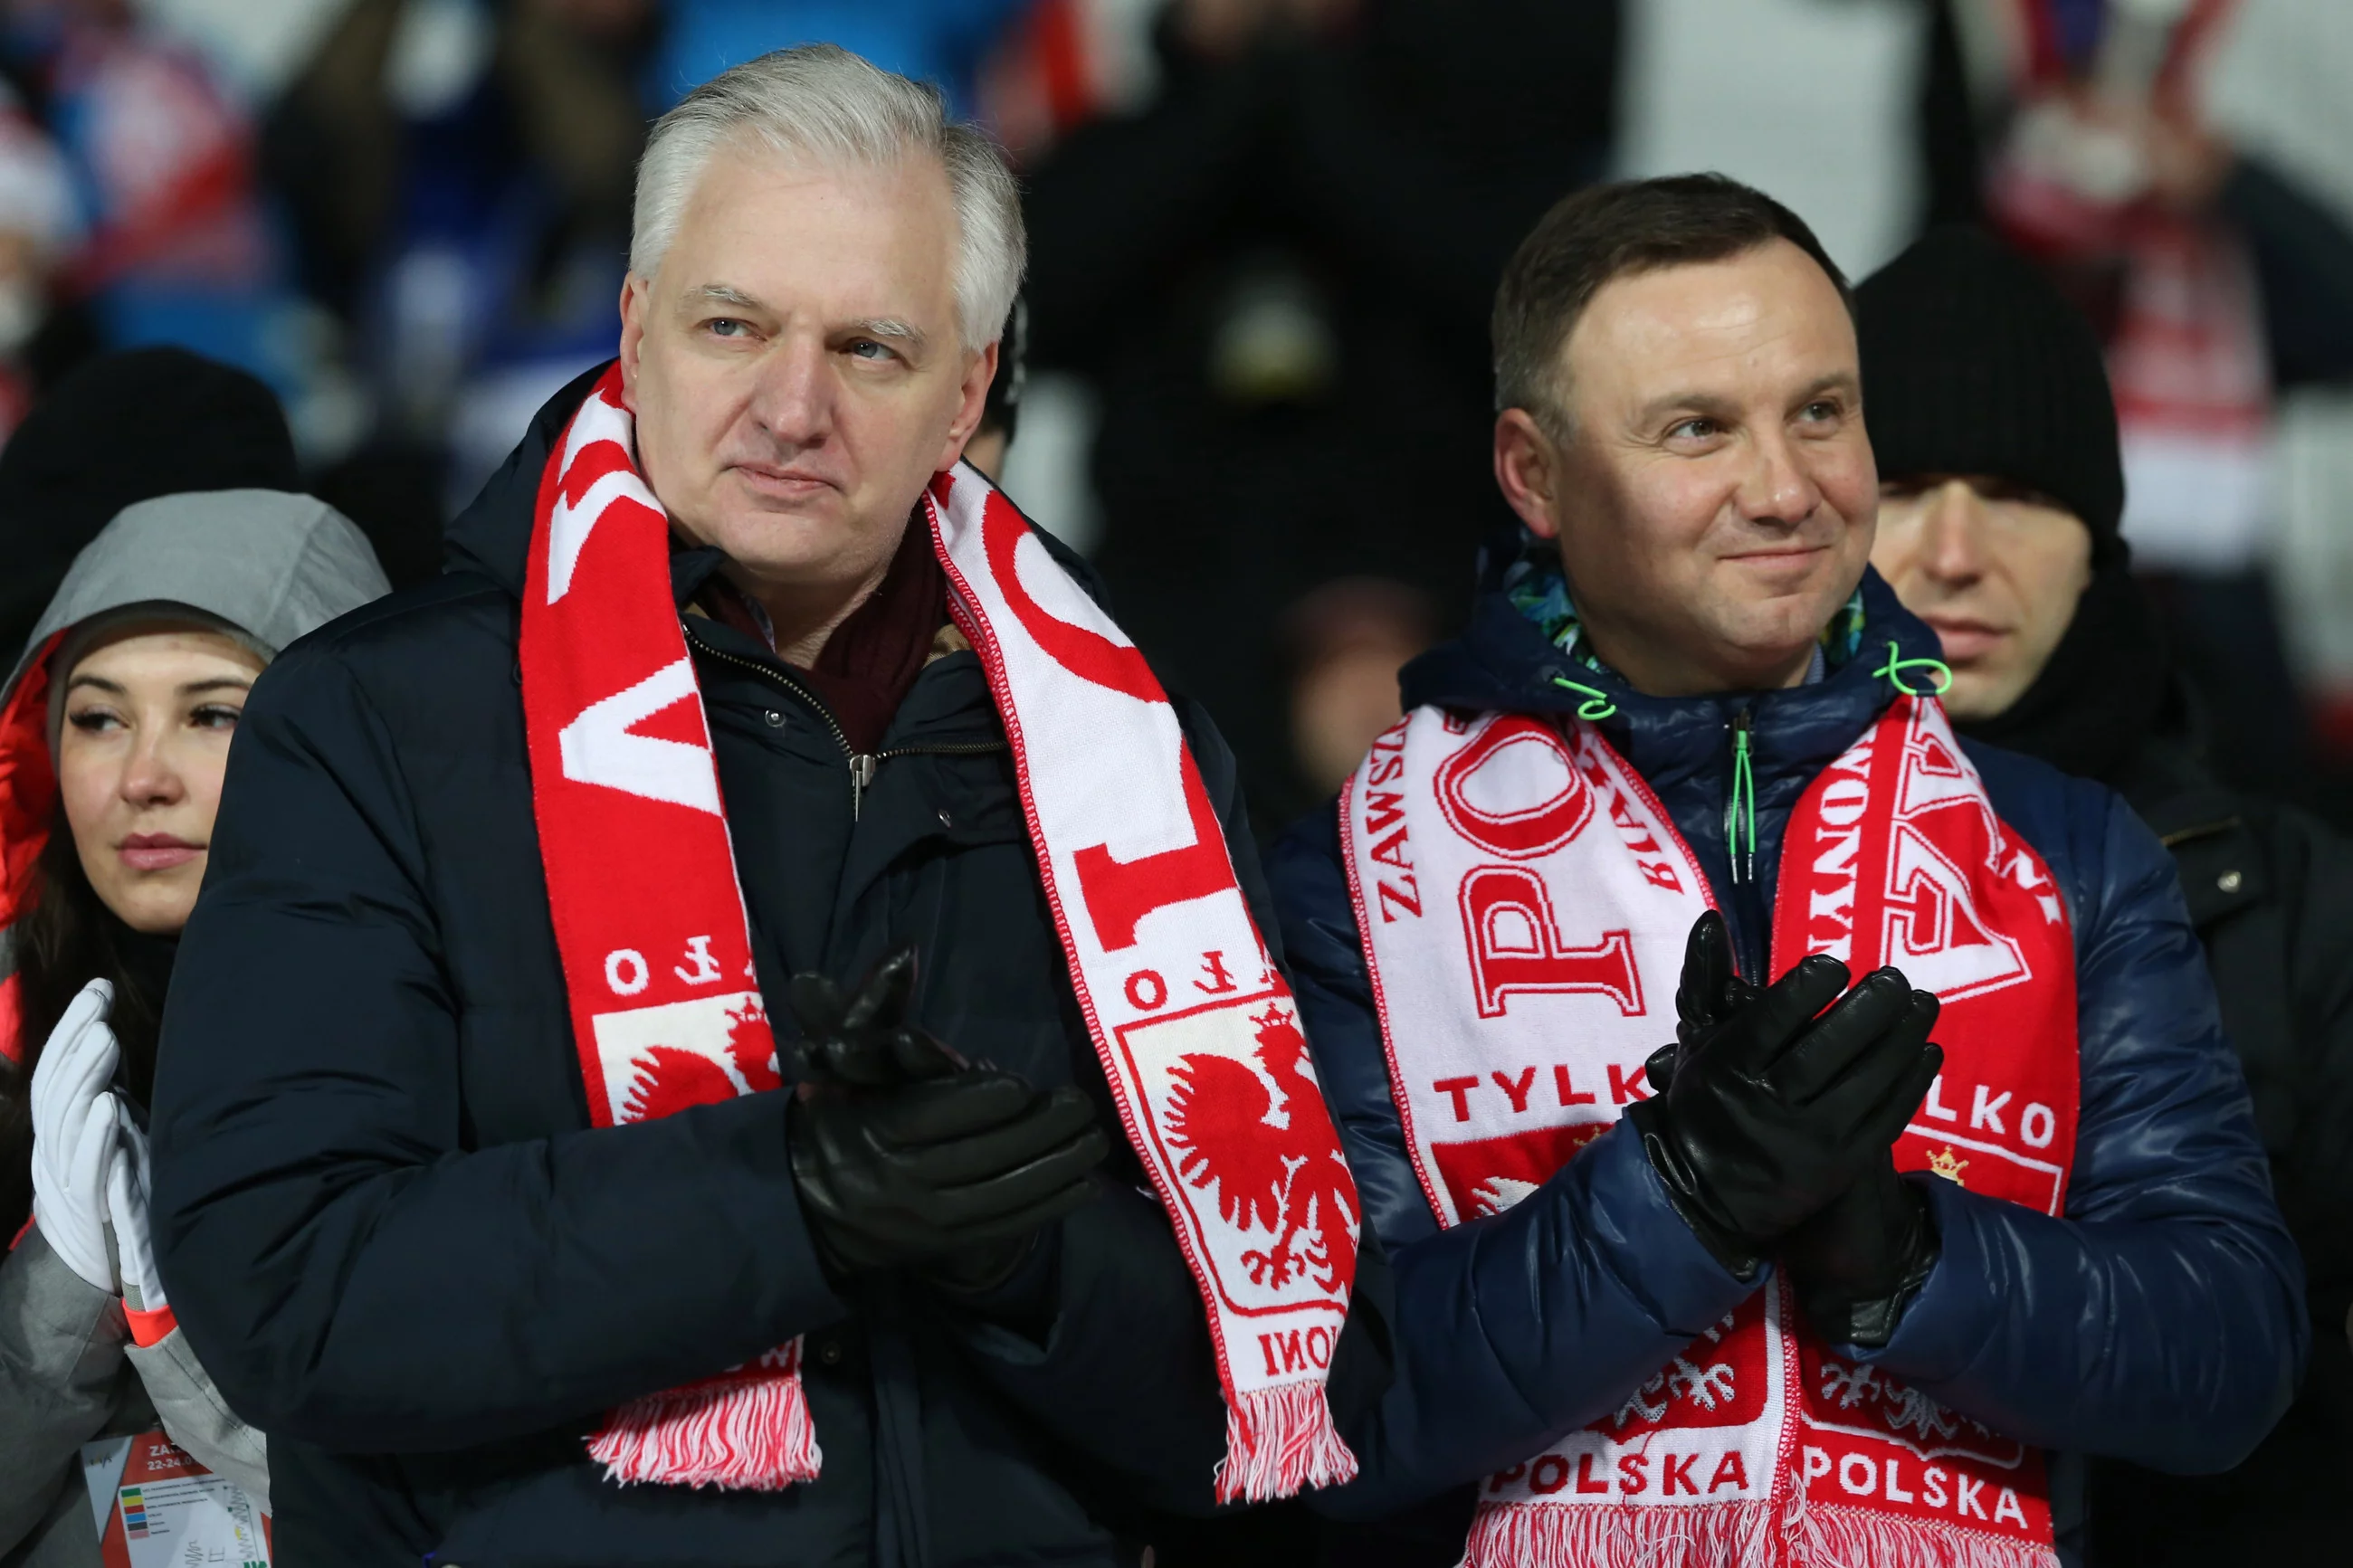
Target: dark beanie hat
{"x":124,"y":427}
{"x":1973,"y":363}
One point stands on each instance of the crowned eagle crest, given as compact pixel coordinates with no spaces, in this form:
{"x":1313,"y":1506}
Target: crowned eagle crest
{"x":1271,"y":1154}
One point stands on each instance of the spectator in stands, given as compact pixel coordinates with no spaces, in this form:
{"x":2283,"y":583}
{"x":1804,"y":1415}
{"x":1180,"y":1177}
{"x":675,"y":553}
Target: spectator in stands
{"x":458,"y":175}
{"x":487,"y":1182}
{"x":1346,"y":640}
{"x":1687,"y":705}
{"x":40,"y":222}
{"x":177,"y":245}
{"x":2179,"y":170}
{"x":2000,"y":492}
{"x":124,"y":427}
{"x":114,"y":734}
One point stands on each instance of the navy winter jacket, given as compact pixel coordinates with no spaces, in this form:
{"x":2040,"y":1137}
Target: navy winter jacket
{"x":2161,"y":1319}
{"x":403,"y":1251}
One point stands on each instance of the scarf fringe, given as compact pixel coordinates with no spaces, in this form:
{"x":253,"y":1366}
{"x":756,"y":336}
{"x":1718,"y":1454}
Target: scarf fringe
{"x":1732,"y":1535}
{"x":754,"y":1435}
{"x":1709,"y":1535}
{"x":1831,"y":1537}
{"x":1280,"y":1441}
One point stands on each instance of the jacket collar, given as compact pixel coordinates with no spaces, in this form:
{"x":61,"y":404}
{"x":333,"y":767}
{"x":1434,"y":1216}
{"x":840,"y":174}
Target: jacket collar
{"x":1502,"y":662}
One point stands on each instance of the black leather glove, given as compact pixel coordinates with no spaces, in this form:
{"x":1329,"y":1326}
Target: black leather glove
{"x":865,"y":1040}
{"x":1858,"y":1264}
{"x":1768,"y":1111}
{"x":928,"y":1175}
{"x":906,"y":1158}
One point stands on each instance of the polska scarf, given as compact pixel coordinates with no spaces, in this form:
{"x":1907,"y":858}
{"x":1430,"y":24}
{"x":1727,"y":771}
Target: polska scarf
{"x":1525,"y":902}
{"x":1195,"y":1028}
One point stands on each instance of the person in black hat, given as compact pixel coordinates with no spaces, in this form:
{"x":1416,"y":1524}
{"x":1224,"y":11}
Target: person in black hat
{"x":2001,"y":488}
{"x":1989,"y":415}
{"x":125,"y":428}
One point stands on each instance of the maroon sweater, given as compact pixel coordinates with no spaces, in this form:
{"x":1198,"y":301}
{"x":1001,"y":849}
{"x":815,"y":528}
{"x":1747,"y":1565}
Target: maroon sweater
{"x":869,"y":663}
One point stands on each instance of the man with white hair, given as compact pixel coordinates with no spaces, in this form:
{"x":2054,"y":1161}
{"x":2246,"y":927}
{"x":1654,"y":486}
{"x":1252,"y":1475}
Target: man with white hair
{"x":723,"y":1030}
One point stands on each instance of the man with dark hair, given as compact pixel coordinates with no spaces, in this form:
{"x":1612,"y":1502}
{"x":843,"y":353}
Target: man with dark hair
{"x":2001,"y":488}
{"x":1579,"y":246}
{"x":1801,"y":1281}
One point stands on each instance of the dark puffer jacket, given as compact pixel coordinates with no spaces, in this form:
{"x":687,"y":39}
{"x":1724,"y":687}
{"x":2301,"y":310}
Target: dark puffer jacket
{"x":394,"y":1238}
{"x":2270,"y":890}
{"x":2160,"y":1319}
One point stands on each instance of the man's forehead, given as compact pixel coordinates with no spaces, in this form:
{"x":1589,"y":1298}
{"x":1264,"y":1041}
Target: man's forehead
{"x":1769,"y":307}
{"x":782,"y":231}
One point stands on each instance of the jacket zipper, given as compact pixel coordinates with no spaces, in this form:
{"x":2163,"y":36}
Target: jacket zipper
{"x":862,"y":768}
{"x":863,"y":765}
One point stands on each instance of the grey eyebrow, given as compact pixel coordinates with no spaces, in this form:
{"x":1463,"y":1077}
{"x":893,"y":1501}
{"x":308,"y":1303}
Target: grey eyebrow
{"x":724,"y":294}
{"x":889,"y":327}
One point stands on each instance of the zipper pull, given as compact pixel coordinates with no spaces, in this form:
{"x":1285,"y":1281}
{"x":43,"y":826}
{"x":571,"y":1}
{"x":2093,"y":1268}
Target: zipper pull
{"x":1740,"y":808}
{"x":861,"y":779}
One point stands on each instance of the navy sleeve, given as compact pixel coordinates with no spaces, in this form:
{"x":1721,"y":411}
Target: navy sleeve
{"x":351,"y":1269}
{"x":2160,"y":1321}
{"x":1514,"y":1329}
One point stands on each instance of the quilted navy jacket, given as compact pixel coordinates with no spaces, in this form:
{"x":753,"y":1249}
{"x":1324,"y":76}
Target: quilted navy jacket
{"x":2160,"y":1319}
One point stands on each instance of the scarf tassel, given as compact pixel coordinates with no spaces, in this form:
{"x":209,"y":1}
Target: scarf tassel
{"x":1732,"y":1535}
{"x":1278,"y":1441}
{"x":1833,"y":1537}
{"x":750,"y":1436}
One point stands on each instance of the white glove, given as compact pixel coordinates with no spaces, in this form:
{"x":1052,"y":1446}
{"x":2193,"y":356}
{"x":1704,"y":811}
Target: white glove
{"x":73,"y":1135}
{"x":127,"y":1186}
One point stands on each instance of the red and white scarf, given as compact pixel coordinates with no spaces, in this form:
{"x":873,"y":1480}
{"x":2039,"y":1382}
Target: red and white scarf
{"x":1524,"y":904}
{"x":1195,"y":1029}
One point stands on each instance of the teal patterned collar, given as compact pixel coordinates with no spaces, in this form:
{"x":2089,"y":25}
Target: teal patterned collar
{"x":1536,"y":589}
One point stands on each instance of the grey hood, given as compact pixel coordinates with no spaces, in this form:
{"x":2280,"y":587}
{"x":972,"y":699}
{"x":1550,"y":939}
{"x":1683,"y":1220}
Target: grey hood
{"x":274,"y":564}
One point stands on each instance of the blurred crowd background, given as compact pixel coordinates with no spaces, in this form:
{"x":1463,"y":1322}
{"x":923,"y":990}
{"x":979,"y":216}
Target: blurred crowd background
{"x":1265,"y":235}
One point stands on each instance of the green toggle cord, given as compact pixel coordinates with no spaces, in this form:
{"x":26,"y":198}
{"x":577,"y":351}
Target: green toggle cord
{"x":1596,"y":705}
{"x":1740,"y":811}
{"x":1893,"y":671}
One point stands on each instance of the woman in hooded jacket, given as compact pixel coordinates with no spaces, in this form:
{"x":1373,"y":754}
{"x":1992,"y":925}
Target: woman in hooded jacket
{"x":114,"y":734}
